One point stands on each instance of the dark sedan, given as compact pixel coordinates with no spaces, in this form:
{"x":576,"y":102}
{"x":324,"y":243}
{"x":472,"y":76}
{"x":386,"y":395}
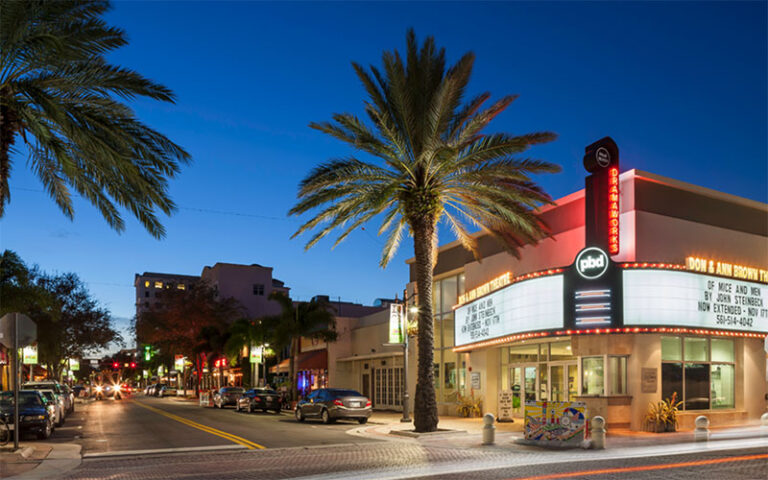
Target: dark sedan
{"x":258,"y":399}
{"x":331,"y":404}
{"x":34,"y":414}
{"x":227,"y":396}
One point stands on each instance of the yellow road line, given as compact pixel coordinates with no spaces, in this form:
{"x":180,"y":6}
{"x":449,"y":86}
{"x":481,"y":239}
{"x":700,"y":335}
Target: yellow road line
{"x":232,"y":438}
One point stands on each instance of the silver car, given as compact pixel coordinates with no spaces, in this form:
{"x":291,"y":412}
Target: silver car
{"x":58,"y":389}
{"x":227,"y":396}
{"x":57,"y":402}
{"x":331,"y":404}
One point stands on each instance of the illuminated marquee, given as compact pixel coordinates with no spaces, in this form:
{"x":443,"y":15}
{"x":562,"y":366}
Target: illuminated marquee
{"x":613,"y":210}
{"x":486,"y":288}
{"x":715,"y":267}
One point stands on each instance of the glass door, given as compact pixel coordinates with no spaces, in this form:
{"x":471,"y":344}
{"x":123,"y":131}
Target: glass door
{"x":572,"y":379}
{"x":557,"y":383}
{"x":516,"y":383}
{"x":529,"y":385}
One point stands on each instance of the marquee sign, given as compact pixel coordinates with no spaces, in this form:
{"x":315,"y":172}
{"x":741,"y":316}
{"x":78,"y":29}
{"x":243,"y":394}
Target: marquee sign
{"x":684,"y":299}
{"x":601,"y":159}
{"x":717,"y":267}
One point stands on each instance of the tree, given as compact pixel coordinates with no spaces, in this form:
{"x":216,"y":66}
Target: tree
{"x":191,"y":322}
{"x":81,"y":327}
{"x":431,"y":162}
{"x":69,"y":322}
{"x":313,"y":319}
{"x":60,"y":95}
{"x":245,"y":333}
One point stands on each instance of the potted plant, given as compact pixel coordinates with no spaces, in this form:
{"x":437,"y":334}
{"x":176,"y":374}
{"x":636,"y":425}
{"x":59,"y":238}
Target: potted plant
{"x":469,"y":406}
{"x":662,"y":415}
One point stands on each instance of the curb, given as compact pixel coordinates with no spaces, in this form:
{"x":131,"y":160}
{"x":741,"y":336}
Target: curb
{"x":62,"y":458}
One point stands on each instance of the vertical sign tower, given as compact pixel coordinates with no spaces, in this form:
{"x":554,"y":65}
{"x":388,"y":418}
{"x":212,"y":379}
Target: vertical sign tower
{"x":601,"y":159}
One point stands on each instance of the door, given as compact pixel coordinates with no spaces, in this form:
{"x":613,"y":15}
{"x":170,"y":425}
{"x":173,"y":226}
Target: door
{"x":529,"y":384}
{"x":367,"y":385}
{"x":558,"y":392}
{"x":572,"y":381}
{"x":516,"y":383}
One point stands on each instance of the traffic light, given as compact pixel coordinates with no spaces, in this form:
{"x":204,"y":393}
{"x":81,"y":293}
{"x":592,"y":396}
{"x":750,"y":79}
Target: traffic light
{"x":115,"y":365}
{"x":133,"y":364}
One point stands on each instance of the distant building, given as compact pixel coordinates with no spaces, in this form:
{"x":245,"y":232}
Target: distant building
{"x":250,"y":285}
{"x":150,"y":285}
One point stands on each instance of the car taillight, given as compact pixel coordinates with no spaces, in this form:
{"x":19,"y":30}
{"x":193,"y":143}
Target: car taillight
{"x":257,"y":399}
{"x":338,"y":402}
{"x":367,"y":403}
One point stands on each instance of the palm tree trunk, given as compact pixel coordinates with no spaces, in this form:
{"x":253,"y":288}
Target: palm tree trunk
{"x":425,"y":404}
{"x":7,"y":134}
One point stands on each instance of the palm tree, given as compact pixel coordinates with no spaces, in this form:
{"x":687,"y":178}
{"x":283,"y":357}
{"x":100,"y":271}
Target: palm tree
{"x":60,"y":95}
{"x":244,"y":333}
{"x":432,"y":162}
{"x":313,"y":319}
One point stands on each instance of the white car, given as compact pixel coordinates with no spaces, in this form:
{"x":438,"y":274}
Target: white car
{"x":58,"y":389}
{"x":57,"y":402}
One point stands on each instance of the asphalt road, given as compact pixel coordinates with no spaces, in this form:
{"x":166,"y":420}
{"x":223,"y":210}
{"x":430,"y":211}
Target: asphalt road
{"x":149,"y":423}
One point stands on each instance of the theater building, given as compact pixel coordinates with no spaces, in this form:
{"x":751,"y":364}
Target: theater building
{"x":648,"y":286}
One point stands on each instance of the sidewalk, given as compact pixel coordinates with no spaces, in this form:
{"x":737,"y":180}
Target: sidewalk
{"x":467,"y":433}
{"x":36,"y":460}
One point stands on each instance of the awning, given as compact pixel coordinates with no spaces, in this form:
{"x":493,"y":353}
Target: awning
{"x":370,"y":356}
{"x":316,"y":360}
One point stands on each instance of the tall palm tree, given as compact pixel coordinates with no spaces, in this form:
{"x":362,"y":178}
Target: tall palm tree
{"x":61,"y":97}
{"x":313,"y":319}
{"x":431,"y":162}
{"x":248,"y":333}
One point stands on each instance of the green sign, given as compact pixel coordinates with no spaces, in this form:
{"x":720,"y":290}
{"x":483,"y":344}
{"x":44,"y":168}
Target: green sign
{"x":178,"y":362}
{"x":29,"y":355}
{"x":147,"y":352}
{"x":74,"y":364}
{"x":256,"y":354}
{"x":396,"y":328}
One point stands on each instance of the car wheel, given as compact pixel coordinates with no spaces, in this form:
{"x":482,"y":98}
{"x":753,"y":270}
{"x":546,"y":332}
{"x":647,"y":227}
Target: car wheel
{"x":299,"y":415}
{"x":362,"y":421}
{"x":45,"y":434}
{"x":326,"y":417}
{"x":263,"y":410}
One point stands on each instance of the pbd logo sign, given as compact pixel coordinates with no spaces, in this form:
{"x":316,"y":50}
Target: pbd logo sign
{"x":592,"y":263}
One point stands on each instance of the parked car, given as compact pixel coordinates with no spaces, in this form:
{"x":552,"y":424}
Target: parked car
{"x":56,"y":404}
{"x":331,"y":404}
{"x":34,"y":414}
{"x":263,"y":399}
{"x":69,"y":401}
{"x":227,"y":396}
{"x":71,"y":394}
{"x":78,"y":390}
{"x":167,"y":391}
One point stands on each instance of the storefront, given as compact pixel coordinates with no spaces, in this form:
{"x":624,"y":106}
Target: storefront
{"x":648,"y":286}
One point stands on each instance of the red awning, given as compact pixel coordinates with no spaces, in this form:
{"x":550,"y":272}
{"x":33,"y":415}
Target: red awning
{"x":315,"y":360}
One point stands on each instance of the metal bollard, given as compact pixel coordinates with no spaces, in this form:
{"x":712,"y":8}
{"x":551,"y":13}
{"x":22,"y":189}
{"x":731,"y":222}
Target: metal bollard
{"x":764,"y":420}
{"x":489,"y":429}
{"x":701,"y":433}
{"x":598,"y":433}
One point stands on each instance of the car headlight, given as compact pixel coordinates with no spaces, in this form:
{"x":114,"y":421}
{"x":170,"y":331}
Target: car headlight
{"x":33,"y":417}
{"x":98,"y":389}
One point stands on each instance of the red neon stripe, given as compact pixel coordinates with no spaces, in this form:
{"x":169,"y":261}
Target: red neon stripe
{"x":645,"y":468}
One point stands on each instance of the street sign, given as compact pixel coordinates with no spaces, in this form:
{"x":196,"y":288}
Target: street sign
{"x":396,"y":327}
{"x":256,"y":354}
{"x":29,"y":355}
{"x":27,"y":330}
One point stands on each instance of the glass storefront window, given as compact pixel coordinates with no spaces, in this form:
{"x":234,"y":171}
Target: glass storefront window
{"x":695,"y":349}
{"x":524,"y":353}
{"x":436,"y":373}
{"x":560,"y":351}
{"x":462,"y":288}
{"x":617,"y":375}
{"x":448,"y":330}
{"x":543,"y":382}
{"x":436,"y":343}
{"x":436,"y":298}
{"x":671,"y":380}
{"x":671,"y":348}
{"x":592,"y":377}
{"x":696,"y":386}
{"x":449,"y":295}
{"x":722,"y":386}
{"x":722,"y":350}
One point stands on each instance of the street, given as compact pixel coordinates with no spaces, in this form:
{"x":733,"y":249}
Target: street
{"x":153,"y":438}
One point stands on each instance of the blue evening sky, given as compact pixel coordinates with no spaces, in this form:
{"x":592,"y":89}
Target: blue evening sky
{"x":680,"y":86}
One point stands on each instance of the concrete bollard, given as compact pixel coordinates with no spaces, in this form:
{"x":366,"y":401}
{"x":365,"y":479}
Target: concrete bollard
{"x":764,"y":420}
{"x":489,"y":429}
{"x":701,"y":433}
{"x":598,"y":433}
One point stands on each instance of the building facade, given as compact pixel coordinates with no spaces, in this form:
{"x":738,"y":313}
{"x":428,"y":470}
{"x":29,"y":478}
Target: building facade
{"x":681,"y":308}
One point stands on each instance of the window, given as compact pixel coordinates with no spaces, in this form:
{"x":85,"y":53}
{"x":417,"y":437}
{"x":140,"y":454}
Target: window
{"x":158,"y":284}
{"x":146,"y":283}
{"x":704,"y":379}
{"x":617,"y":375}
{"x":258,"y":289}
{"x":181,"y":286}
{"x":146,"y":293}
{"x":449,"y":295}
{"x":560,"y":351}
{"x":524,"y":353}
{"x":592,"y":378}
